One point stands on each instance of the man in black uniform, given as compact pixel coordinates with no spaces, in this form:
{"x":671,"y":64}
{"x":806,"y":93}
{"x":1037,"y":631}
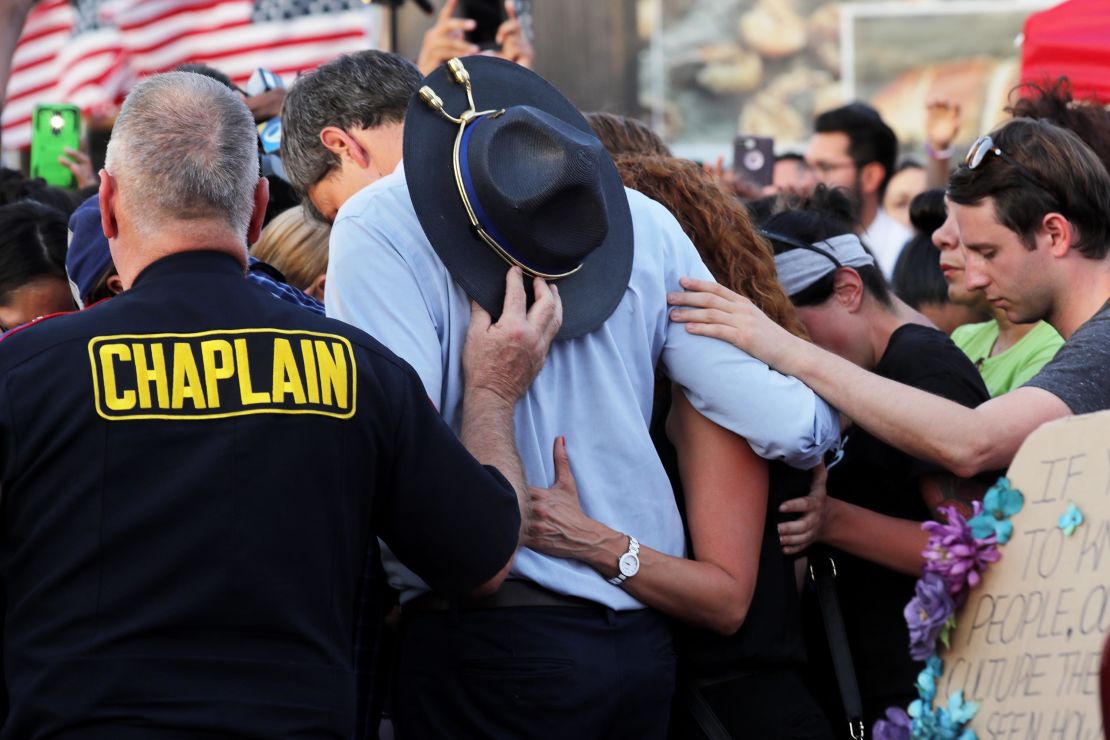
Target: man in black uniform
{"x":193,"y":472}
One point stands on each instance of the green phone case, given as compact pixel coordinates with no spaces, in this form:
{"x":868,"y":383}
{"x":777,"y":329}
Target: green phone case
{"x":54,"y":127}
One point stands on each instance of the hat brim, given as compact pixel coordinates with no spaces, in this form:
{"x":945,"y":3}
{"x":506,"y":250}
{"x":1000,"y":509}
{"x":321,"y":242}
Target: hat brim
{"x":590,"y":295}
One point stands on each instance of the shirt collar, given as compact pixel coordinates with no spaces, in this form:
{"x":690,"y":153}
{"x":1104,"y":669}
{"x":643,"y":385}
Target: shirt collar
{"x":199,"y":262}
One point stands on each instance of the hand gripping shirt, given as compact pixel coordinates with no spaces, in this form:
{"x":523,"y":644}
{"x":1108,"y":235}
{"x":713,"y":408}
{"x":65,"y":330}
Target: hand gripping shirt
{"x":193,"y":474}
{"x":384,"y":277}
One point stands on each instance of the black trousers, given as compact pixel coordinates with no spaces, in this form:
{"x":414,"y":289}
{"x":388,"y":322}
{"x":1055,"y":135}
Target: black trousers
{"x":534,"y":672}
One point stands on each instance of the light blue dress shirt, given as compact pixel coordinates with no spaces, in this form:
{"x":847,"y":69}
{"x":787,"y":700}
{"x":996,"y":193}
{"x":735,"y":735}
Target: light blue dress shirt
{"x":385,"y":278}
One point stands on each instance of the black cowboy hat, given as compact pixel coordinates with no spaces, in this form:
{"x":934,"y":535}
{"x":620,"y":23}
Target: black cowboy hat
{"x":539,"y":183}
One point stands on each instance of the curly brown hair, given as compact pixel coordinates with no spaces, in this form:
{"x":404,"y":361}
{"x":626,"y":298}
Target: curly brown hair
{"x":1055,"y":102}
{"x":624,"y":135}
{"x":718,"y":225}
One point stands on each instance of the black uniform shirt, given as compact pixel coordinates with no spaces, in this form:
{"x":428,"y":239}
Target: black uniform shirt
{"x":192,"y":475}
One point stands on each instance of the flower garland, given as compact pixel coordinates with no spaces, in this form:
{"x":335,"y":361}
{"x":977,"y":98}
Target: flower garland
{"x":956,"y":556}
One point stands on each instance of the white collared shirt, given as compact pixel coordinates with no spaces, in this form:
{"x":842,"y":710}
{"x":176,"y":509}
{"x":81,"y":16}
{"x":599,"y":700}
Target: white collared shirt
{"x":385,"y":278}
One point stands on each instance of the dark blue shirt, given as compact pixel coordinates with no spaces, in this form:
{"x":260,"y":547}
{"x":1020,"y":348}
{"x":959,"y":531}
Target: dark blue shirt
{"x":192,"y":476}
{"x":259,"y":273}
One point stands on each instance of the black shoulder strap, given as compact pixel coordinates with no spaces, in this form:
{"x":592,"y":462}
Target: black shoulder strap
{"x":703,"y":714}
{"x":822,"y":573}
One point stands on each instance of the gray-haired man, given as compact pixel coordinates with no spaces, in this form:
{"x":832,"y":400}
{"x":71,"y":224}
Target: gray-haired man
{"x":342,"y":129}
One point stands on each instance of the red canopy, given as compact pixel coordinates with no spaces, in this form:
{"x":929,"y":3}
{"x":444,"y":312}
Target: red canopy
{"x":1073,"y":39}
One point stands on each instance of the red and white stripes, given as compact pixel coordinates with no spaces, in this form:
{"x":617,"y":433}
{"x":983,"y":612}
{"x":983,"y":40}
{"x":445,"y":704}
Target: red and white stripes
{"x":136,"y":38}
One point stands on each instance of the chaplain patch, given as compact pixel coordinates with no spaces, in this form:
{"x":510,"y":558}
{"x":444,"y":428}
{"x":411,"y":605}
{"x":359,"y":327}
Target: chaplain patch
{"x":217,"y":374}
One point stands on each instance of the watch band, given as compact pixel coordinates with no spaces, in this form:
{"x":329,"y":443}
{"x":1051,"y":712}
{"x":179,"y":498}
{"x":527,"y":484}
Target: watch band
{"x":634,"y":552}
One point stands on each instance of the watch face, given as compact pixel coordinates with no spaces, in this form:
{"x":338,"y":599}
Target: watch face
{"x":630,"y":565}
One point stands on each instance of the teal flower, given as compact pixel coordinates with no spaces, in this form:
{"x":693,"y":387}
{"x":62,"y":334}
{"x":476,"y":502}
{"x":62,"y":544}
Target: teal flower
{"x":927,"y":679}
{"x":923,"y":722}
{"x":959,"y":711}
{"x":946,"y":728}
{"x":926,"y":686}
{"x":1070,"y":519}
{"x":1000,"y":503}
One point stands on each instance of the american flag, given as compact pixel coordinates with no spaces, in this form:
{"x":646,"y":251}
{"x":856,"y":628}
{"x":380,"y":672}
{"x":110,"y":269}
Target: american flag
{"x":88,"y":52}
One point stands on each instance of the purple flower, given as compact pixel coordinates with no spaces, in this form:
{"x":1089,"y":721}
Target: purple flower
{"x":896,"y":726}
{"x":956,"y":554}
{"x":926,"y":614}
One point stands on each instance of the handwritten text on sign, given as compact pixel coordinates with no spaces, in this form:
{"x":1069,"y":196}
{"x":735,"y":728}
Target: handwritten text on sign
{"x":1028,"y":642}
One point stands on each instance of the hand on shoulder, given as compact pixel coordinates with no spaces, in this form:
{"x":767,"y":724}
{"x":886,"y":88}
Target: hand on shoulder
{"x":505,"y":356}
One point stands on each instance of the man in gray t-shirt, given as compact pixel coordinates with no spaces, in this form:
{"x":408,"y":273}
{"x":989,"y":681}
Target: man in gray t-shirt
{"x":1079,"y":375}
{"x":1030,"y":205}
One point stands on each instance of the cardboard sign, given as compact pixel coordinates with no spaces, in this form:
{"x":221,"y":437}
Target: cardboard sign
{"x":1027,"y":644}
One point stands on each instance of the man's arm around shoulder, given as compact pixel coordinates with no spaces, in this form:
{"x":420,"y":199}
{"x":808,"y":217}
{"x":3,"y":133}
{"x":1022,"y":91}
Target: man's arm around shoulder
{"x":963,"y":440}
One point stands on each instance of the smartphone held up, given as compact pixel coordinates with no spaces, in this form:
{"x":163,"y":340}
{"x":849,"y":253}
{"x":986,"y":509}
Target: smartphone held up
{"x":54,"y":129}
{"x":754,"y":159}
{"x":488,"y":17}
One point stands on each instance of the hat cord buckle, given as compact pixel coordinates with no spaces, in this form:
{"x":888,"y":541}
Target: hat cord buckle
{"x":460,"y":76}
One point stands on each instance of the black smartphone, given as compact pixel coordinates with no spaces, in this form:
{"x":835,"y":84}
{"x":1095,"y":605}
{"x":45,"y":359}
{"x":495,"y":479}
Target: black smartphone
{"x":754,"y":159}
{"x":488,"y":15}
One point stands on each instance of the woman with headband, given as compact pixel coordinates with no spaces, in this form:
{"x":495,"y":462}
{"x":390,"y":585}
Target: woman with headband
{"x":877,"y":496}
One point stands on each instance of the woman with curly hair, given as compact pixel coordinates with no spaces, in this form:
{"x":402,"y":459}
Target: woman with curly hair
{"x":740,"y":636}
{"x":717,"y":224}
{"x":622,"y":135}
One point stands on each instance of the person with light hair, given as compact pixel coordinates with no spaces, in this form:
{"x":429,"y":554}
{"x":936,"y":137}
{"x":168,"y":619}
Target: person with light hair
{"x":165,"y":574}
{"x":297,"y":245}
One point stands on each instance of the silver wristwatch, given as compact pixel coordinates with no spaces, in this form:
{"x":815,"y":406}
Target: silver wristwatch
{"x":629,"y":564}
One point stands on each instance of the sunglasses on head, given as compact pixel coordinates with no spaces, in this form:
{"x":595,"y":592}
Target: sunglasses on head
{"x":984,"y":145}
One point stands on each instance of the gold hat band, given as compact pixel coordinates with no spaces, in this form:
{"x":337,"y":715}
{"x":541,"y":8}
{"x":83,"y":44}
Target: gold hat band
{"x":458,"y":73}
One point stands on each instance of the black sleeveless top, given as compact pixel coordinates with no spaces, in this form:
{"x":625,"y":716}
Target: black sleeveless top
{"x":771,"y":636}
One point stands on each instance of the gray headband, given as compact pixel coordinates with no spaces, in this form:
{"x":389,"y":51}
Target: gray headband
{"x":800,"y":268}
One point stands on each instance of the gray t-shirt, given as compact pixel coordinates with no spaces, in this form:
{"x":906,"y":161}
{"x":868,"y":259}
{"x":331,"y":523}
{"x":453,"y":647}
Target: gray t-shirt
{"x":1079,"y":375}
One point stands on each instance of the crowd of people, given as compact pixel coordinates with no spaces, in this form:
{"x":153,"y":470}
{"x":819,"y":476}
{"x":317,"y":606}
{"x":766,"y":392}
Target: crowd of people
{"x":507,"y":422}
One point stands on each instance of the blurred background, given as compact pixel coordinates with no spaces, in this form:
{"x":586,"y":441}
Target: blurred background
{"x":698,"y":71}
